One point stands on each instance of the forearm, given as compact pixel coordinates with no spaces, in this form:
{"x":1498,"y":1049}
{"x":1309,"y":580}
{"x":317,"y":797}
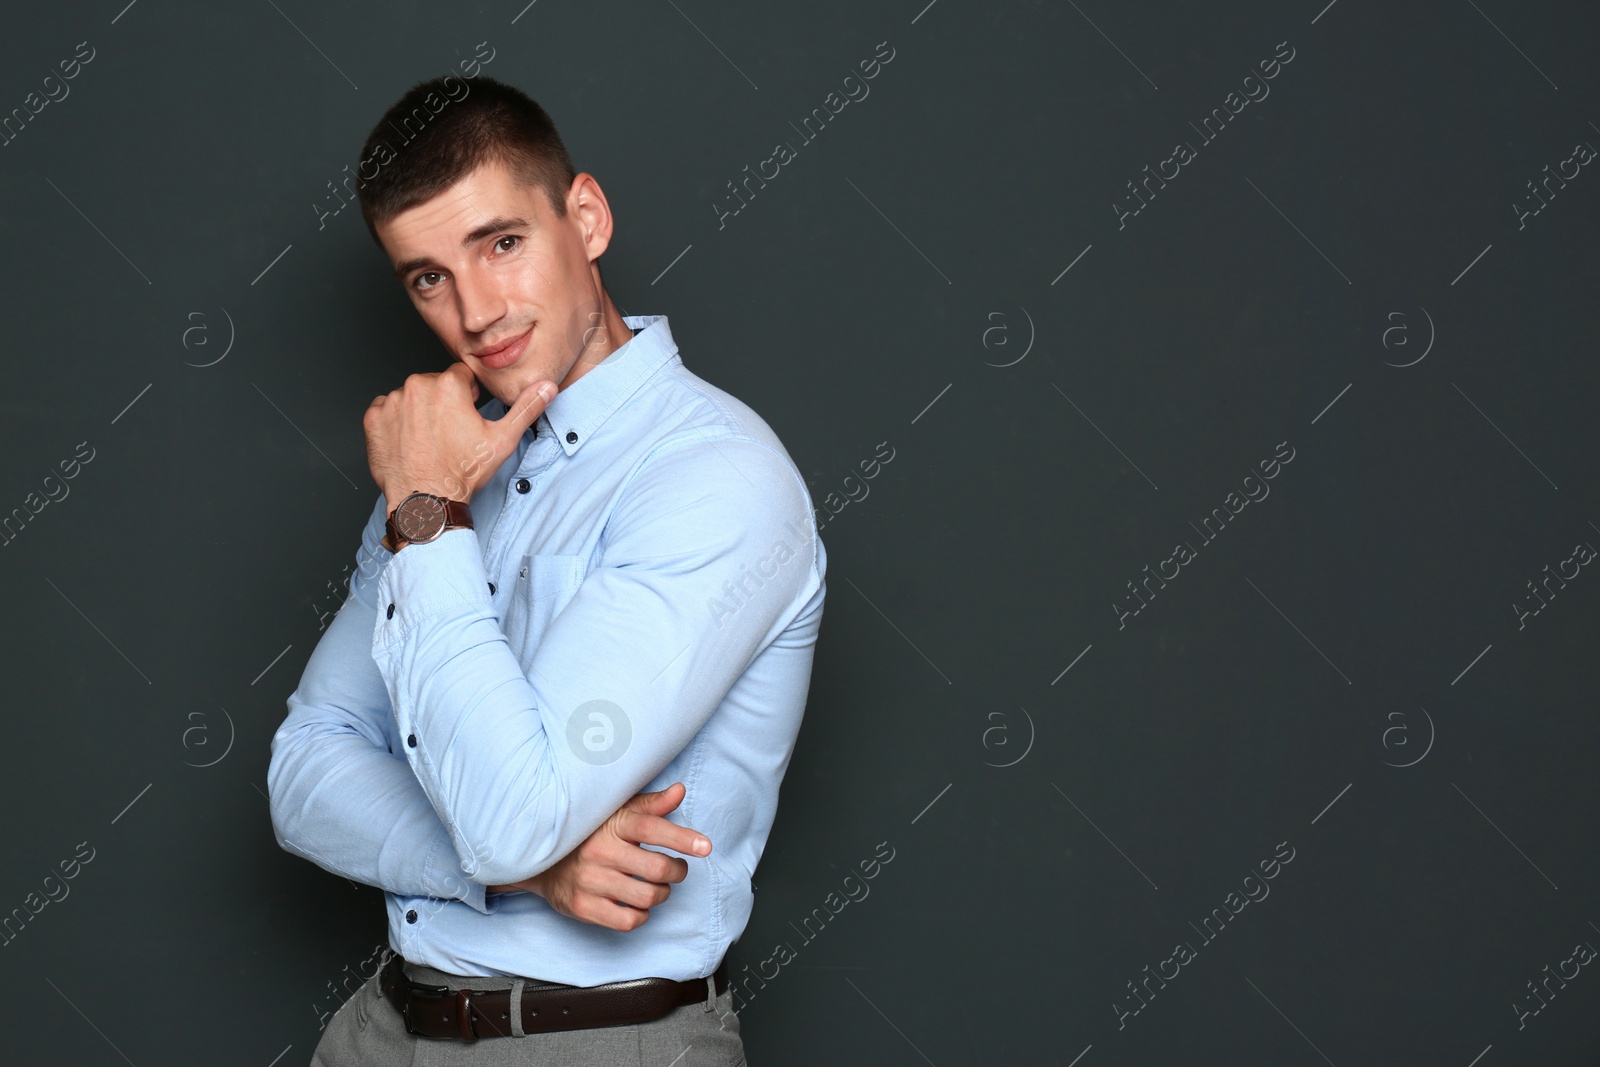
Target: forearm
{"x":340,"y":796}
{"x":494,"y":785}
{"x":358,"y":812}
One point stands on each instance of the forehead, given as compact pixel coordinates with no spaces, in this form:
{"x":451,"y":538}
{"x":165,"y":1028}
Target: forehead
{"x":438,"y":226}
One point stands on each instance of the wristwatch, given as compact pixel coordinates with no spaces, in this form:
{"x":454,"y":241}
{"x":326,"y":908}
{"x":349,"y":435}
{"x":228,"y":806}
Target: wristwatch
{"x":421,"y":517}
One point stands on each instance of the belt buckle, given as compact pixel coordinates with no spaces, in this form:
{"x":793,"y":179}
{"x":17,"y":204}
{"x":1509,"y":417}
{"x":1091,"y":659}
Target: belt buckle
{"x":411,"y":991}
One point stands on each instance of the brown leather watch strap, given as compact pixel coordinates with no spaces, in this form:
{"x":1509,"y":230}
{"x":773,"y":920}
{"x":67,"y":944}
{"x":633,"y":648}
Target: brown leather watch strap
{"x":457,"y":514}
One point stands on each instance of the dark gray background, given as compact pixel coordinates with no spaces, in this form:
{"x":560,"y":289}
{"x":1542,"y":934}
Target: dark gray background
{"x":1358,"y":617}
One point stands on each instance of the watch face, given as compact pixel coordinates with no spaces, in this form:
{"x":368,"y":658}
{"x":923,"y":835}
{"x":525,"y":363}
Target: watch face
{"x":420,"y":517}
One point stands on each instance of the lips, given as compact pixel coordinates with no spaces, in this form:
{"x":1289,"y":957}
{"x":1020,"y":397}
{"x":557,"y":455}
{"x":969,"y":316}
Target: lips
{"x":505,"y":353}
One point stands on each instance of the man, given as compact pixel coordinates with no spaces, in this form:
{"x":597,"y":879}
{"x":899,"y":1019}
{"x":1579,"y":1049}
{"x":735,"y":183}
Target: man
{"x":604,"y":587}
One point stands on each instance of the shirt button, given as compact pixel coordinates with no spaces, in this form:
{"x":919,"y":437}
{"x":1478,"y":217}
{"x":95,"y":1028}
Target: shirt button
{"x":491,"y":589}
{"x":523,"y":485}
{"x":411,"y":739}
{"x":572,"y":437}
{"x":411,"y":916}
{"x":391,"y":612}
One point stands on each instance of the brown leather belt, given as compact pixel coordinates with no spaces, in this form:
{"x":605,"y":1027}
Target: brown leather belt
{"x":468,"y":1014}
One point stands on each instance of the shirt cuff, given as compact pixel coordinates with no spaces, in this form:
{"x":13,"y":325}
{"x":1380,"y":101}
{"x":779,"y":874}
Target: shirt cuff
{"x":448,"y":883}
{"x":424,"y":579}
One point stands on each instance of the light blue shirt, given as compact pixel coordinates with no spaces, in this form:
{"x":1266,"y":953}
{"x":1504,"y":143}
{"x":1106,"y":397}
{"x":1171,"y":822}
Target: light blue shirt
{"x":637,"y":604}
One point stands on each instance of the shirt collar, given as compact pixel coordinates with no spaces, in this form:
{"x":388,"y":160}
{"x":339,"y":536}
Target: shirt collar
{"x":579,"y":410}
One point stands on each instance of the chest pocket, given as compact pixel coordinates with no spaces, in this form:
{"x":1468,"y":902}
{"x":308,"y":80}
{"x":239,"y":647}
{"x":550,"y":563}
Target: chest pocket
{"x":546,"y":583}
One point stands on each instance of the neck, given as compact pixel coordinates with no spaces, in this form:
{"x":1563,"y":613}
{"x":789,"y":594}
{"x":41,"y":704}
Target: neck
{"x":603,"y":338}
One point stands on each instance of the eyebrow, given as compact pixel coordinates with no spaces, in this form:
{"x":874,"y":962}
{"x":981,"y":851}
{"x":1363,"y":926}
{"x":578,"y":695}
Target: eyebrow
{"x":494,"y":225}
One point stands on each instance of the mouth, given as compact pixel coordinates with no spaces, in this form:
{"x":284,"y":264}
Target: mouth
{"x":506,"y":352}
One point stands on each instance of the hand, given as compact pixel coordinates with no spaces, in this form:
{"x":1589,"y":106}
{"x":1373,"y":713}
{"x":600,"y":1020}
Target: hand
{"x":427,"y":437}
{"x":593,"y":884}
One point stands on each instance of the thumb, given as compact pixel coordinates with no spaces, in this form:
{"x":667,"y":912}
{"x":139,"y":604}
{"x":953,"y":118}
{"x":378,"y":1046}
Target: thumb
{"x":662,"y":802}
{"x":525,"y":410}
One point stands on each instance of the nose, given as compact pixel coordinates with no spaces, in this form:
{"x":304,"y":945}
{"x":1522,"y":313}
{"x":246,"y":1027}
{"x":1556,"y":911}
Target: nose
{"x":480,"y":301}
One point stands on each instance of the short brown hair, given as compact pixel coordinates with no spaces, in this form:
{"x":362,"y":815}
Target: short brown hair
{"x":445,"y":129}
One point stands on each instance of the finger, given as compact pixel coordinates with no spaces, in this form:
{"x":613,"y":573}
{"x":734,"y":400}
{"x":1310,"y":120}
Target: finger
{"x":602,"y":911}
{"x":621,"y":890}
{"x":636,"y":861}
{"x":523,"y":413}
{"x":645,"y":829}
{"x":613,"y":903}
{"x":659,"y":803}
{"x":670,"y":870}
{"x":616,"y":916}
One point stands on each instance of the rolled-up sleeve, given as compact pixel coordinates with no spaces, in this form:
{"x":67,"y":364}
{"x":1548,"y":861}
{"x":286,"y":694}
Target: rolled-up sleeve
{"x":704,"y":559}
{"x":338,"y":797}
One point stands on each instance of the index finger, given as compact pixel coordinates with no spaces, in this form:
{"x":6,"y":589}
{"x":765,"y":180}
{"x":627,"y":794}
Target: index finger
{"x":645,"y":829}
{"x":460,"y":366}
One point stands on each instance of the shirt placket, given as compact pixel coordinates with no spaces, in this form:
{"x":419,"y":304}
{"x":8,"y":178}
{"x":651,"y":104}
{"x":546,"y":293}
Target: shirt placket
{"x":510,"y":529}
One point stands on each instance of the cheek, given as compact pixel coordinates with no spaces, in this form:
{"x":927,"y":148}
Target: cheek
{"x":529,"y":281}
{"x":540,"y":276}
{"x":443,"y":317}
{"x":436,"y":313}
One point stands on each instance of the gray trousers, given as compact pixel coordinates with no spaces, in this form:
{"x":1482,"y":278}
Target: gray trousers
{"x":369,"y":1032}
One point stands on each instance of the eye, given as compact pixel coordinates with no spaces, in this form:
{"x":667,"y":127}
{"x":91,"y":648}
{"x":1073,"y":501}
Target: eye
{"x":417,"y":281}
{"x":507,"y":237}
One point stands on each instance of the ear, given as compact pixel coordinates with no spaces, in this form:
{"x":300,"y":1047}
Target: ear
{"x":591,"y":214}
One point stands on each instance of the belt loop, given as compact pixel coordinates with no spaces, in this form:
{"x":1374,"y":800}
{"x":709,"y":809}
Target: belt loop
{"x":711,"y":992}
{"x":516,"y":1009}
{"x":464,"y":1027}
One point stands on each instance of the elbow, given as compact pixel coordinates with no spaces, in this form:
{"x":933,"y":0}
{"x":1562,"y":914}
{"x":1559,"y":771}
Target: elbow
{"x":282,"y":832}
{"x":280,"y":787}
{"x":283,"y":827}
{"x":282,"y":822}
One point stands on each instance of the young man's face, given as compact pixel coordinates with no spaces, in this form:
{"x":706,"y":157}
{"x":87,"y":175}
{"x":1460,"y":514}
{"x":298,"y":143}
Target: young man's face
{"x":509,"y":286}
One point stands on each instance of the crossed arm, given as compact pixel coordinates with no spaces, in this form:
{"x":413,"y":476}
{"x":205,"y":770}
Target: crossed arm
{"x":481,"y":796}
{"x":340,"y":799}
{"x":609,"y":880}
